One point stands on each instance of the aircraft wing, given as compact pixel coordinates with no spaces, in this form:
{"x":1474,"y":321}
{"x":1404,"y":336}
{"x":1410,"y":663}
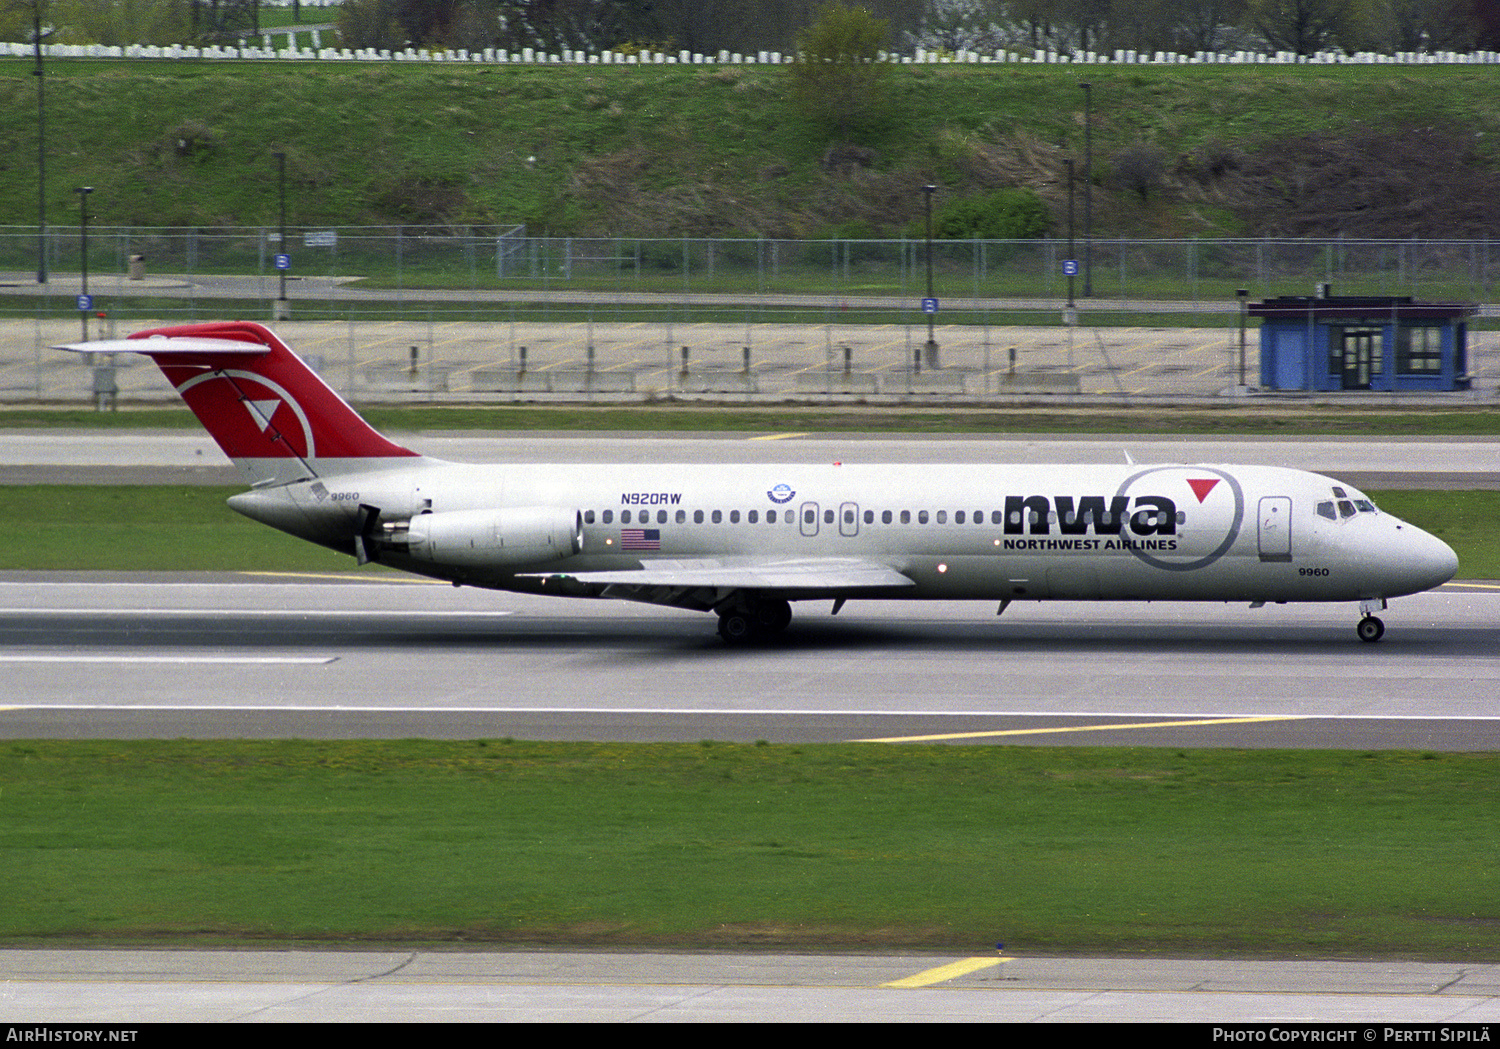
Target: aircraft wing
{"x":804,"y":575}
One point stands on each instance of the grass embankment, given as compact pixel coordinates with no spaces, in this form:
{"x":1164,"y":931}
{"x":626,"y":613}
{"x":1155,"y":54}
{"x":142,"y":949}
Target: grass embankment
{"x":669,"y":150}
{"x":833,"y":846}
{"x":186,"y":527}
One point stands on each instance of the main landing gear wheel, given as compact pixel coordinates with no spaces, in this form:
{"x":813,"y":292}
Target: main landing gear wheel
{"x":1370,"y":629}
{"x":736,"y":628}
{"x":761,"y":620}
{"x":772,"y":617}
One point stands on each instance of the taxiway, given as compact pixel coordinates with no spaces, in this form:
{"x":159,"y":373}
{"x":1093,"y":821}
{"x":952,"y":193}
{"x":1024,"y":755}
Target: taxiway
{"x":126,"y":656}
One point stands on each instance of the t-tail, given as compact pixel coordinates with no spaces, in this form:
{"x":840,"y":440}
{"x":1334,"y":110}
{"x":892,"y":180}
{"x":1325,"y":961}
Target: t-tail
{"x":270,"y":413}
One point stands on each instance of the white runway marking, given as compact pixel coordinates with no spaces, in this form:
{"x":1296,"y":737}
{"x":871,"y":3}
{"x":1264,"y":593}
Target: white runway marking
{"x":1176,"y":720}
{"x":237,"y":613}
{"x":239,"y":660}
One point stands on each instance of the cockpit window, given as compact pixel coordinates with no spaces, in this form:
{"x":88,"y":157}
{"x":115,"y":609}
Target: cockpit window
{"x":1344,"y":507}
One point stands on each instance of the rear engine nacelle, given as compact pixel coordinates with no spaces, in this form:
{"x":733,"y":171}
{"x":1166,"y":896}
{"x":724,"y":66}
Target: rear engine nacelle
{"x":520,"y":535}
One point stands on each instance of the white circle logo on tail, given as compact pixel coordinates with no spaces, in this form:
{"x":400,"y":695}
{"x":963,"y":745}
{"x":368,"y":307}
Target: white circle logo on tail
{"x":261,"y":408}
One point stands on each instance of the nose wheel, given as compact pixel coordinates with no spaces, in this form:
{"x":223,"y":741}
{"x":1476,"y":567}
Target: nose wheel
{"x":1370,"y":629}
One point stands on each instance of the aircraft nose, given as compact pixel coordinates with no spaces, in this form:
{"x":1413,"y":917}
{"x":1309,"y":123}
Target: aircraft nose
{"x":1426,"y":560}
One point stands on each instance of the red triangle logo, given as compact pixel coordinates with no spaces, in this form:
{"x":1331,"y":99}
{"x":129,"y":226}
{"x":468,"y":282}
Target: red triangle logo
{"x":1201,"y":486}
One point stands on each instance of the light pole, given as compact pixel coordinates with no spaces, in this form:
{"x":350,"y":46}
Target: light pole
{"x":1088,"y":190}
{"x":281,"y":308}
{"x":1071,"y":316}
{"x":83,"y":234}
{"x":930,"y":351}
{"x":1243,"y":294}
{"x":41,"y":142}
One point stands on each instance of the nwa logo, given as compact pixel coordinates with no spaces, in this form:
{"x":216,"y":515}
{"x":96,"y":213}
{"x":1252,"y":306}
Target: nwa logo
{"x":1148,"y":526}
{"x":1102,"y":515}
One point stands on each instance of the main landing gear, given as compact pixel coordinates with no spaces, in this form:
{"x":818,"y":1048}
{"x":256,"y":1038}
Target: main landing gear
{"x":1370,"y":628}
{"x":754,"y":621}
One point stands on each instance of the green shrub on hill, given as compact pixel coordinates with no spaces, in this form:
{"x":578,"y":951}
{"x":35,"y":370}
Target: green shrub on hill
{"x":1004,"y":214}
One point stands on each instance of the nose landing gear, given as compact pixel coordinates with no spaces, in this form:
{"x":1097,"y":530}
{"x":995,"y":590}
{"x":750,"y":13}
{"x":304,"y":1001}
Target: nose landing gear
{"x":1370,"y":628}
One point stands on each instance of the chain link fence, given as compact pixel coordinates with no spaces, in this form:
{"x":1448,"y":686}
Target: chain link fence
{"x":495,"y":313}
{"x":498,"y":259}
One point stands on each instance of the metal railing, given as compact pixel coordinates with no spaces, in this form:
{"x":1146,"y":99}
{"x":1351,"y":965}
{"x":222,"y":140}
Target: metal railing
{"x":406,"y":265}
{"x":492,"y":313}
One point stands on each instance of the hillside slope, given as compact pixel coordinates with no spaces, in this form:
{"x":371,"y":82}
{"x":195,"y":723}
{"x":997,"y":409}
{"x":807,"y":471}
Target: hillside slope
{"x":699,"y":151}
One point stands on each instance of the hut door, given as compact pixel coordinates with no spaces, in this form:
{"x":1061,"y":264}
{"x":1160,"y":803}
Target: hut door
{"x":1359,"y":358}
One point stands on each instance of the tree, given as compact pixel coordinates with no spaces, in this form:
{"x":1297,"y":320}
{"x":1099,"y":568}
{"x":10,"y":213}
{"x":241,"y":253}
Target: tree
{"x":1303,"y":26}
{"x":1205,"y":25}
{"x":1426,"y":25}
{"x":17,"y":18}
{"x":369,"y":24}
{"x":839,"y":73}
{"x":1038,"y":25}
{"x":960,"y":25}
{"x":557,"y":24}
{"x":114,"y":22}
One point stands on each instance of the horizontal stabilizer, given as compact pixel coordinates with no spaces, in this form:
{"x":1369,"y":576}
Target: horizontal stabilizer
{"x":161,"y":344}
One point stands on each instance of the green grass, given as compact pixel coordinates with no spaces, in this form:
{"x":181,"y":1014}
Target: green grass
{"x":833,"y":846}
{"x":567,"y":149}
{"x":187,"y":527}
{"x":677,"y":153}
{"x":137,"y":528}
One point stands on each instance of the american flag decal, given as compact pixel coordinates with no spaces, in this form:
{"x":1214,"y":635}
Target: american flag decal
{"x":640,"y":539}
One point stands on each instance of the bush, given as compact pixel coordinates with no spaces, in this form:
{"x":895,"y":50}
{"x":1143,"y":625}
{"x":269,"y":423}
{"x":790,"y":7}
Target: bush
{"x":369,"y":23}
{"x":1138,"y":169}
{"x":839,"y":76}
{"x":1005,"y":214}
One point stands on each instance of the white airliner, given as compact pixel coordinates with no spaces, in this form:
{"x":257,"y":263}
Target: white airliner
{"x":745,"y":541}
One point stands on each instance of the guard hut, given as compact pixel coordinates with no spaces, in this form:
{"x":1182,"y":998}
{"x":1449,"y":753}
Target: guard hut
{"x":1360,"y":342}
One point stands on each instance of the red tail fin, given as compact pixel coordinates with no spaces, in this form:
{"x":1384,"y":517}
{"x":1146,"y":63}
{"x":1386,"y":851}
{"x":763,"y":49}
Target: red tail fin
{"x":262,"y":401}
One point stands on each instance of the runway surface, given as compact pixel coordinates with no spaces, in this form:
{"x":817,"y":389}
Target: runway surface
{"x":171,"y":655}
{"x":385,"y":656}
{"x":125,"y":987}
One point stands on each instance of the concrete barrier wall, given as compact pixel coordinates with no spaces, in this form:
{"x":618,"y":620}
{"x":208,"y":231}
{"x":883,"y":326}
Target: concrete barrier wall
{"x":263,"y":49}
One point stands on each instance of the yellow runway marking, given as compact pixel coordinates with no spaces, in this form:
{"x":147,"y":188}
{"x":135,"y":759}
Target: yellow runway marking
{"x":1080,"y":728}
{"x":928,"y":977}
{"x":777,"y":436}
{"x":1475,"y":586}
{"x":351,"y":577}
